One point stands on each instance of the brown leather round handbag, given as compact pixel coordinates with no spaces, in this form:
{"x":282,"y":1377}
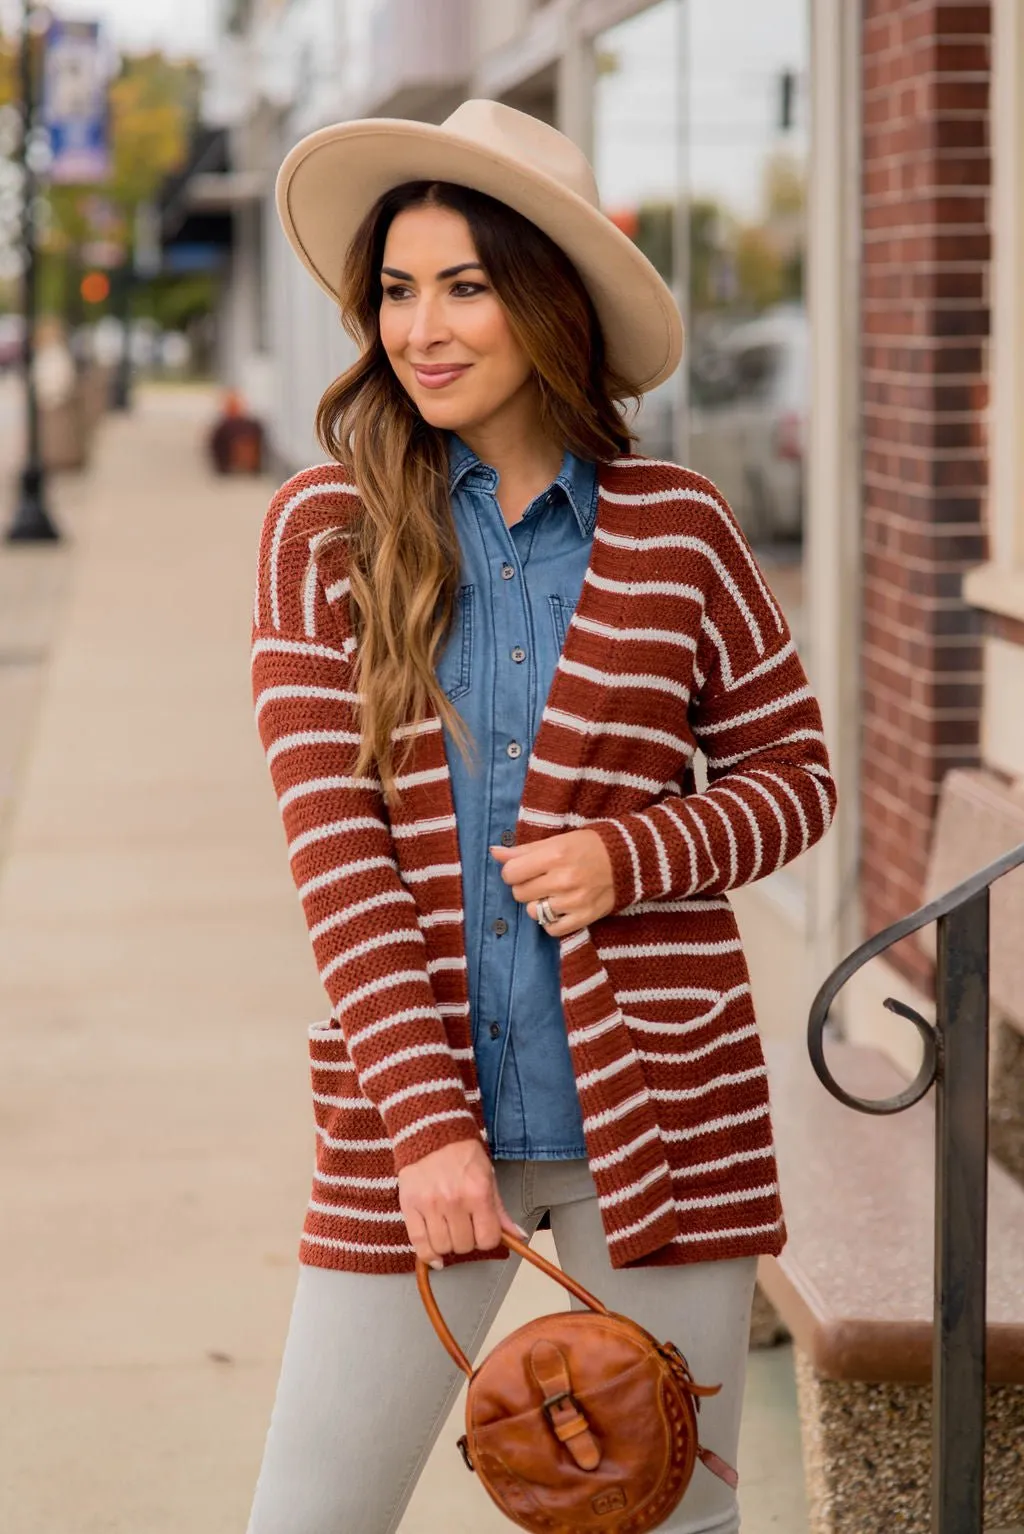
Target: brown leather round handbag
{"x":580,"y":1420}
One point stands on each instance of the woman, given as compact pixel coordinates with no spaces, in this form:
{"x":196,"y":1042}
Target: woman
{"x":488,"y":641}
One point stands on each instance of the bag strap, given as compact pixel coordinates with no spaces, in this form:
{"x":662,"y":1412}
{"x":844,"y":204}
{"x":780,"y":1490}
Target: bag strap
{"x":521,"y":1250}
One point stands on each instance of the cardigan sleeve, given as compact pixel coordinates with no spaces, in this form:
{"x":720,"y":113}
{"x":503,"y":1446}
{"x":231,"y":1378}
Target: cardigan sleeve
{"x":362,"y":920}
{"x":770,"y":792}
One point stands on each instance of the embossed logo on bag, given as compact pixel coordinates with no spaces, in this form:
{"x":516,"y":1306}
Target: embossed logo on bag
{"x":613,"y":1500}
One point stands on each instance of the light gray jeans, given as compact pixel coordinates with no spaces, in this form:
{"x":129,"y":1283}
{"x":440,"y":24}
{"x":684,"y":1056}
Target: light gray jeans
{"x":366,"y":1387}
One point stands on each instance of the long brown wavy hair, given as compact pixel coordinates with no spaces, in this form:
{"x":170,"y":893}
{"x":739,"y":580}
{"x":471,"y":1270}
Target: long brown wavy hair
{"x":403,"y":547}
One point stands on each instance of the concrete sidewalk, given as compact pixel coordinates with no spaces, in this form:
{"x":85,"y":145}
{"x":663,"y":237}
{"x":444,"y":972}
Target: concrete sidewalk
{"x":155,"y":986}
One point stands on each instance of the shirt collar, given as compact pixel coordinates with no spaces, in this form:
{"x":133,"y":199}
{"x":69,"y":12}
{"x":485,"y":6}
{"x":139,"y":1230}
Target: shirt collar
{"x":577,"y":478}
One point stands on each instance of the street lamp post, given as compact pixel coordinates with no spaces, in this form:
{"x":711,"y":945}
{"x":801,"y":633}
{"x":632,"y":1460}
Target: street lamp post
{"x":32,"y":522}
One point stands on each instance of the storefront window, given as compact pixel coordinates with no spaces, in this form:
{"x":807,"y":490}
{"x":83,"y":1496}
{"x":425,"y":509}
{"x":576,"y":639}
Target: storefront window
{"x":701,"y":150}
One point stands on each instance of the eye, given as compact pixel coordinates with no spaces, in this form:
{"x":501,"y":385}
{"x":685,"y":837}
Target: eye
{"x":468,"y":289}
{"x":395,"y":291}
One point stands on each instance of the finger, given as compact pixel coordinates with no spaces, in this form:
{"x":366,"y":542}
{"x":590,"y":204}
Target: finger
{"x":506,"y":1221}
{"x":523,"y":862}
{"x":438,"y":1234}
{"x":554,"y":885}
{"x":417,"y":1229}
{"x":460,"y":1227}
{"x":567,"y":923}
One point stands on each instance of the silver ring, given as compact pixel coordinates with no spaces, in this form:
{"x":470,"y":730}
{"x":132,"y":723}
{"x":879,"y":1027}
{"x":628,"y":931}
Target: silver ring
{"x":545,"y":914}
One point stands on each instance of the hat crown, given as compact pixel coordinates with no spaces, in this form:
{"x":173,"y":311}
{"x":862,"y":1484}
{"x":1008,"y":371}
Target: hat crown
{"x":518,"y":136}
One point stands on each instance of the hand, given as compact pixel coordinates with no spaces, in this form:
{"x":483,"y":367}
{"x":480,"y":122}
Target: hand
{"x":451,"y":1203}
{"x":572,"y":870}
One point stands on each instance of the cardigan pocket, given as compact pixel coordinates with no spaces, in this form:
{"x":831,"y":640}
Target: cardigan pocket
{"x":455,"y":667}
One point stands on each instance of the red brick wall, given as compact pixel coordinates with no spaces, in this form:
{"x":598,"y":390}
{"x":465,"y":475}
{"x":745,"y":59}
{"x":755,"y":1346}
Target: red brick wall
{"x":925,"y":295}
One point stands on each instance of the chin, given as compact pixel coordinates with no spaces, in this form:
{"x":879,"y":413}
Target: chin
{"x":447,"y":415}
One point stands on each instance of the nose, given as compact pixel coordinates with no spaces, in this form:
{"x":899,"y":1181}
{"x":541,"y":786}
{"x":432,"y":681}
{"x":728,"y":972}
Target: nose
{"x":429,"y":325}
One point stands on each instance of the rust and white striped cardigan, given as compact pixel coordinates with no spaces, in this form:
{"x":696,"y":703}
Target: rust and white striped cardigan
{"x":676,"y":643}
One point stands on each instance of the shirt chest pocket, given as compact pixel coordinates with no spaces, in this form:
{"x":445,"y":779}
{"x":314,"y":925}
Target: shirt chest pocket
{"x":455,"y":667}
{"x":562,"y":609}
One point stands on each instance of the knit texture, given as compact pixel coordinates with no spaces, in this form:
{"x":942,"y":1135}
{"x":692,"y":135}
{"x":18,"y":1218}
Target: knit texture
{"x":676,"y":643}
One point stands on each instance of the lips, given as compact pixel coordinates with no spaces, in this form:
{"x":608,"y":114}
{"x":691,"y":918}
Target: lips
{"x":439,"y":376}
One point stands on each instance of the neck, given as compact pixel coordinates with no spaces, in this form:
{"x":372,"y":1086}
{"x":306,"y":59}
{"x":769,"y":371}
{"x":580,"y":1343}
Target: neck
{"x":514,"y":444}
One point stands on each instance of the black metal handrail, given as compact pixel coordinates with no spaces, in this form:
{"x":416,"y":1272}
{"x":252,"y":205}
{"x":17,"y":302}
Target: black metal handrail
{"x":956,"y":1063}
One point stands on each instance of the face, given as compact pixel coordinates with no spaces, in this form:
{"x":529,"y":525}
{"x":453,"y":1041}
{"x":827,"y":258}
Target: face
{"x":442,"y":325}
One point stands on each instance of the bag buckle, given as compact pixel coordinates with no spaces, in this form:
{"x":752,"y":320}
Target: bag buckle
{"x":556,"y":1400}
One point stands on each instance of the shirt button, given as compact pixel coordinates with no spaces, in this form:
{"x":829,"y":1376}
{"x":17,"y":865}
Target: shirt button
{"x":507,"y":571}
{"x":508,"y":838}
{"x":513,"y":749}
{"x":518,"y":654}
{"x":499,"y":927}
{"x":495,"y":1031}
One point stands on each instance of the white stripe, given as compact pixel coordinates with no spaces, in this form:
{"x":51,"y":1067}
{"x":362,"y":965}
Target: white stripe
{"x":711,"y":1126}
{"x":331,"y":487}
{"x":311,"y":738}
{"x":440,"y":918}
{"x":617,"y":1111}
{"x":643,"y":635}
{"x":329,"y":786}
{"x":376,"y":988}
{"x":645,"y":1025}
{"x":349,"y":913}
{"x":423,"y":827}
{"x":726,"y":1235}
{"x":402,"y":1057}
{"x":359,"y":1036}
{"x":688,"y":1094}
{"x":432,"y":871}
{"x":752,"y":715}
{"x":773,"y":777}
{"x":651,"y":907}
{"x":330,"y":828}
{"x":720,"y":1200}
{"x":436,"y":966}
{"x":722,"y":1163}
{"x":709,"y":802}
{"x":351,"y":1104}
{"x":638,"y":1225}
{"x":623,"y":1195}
{"x":717,"y":505}
{"x":551,"y":769}
{"x":420,"y":1089}
{"x":372,"y":1249}
{"x":309,"y":600}
{"x":670,"y":1057}
{"x":594,"y":727}
{"x":343,"y":871}
{"x":719,"y":763}
{"x":369,"y":945}
{"x":674,"y":814}
{"x":453,"y":1008}
{"x":605,"y":1072}
{"x":435,"y":1118}
{"x":773,"y":806}
{"x":300,"y":690}
{"x":570,"y":993}
{"x":367,"y":1146}
{"x":646,"y":588}
{"x":555,"y":822}
{"x":646,"y":950}
{"x":375,"y":1184}
{"x":623,"y":1152}
{"x":278,"y":646}
{"x":648,"y":681}
{"x":349,"y":1212}
{"x":697,"y":545}
{"x":416,"y":779}
{"x":724,"y":791}
{"x":594,"y":1030}
{"x":418,"y":727}
{"x":338,"y":589}
{"x":634,"y":856}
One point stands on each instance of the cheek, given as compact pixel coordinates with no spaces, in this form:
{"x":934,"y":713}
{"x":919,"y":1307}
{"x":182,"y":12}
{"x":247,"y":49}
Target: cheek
{"x":495,"y":342}
{"x":393,"y":329}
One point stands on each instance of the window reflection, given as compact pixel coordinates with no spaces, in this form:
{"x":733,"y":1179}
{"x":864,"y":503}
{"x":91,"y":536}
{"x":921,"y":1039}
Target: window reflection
{"x":700,"y":149}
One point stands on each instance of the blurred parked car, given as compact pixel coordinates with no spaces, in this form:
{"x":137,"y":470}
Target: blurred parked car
{"x":748,"y":420}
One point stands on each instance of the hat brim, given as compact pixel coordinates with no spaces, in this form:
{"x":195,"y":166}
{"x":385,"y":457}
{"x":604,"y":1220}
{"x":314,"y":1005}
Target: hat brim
{"x":331,"y":179}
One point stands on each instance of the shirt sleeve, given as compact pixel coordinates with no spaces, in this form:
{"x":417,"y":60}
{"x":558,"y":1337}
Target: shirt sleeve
{"x":770,"y":791}
{"x":363,"y":921}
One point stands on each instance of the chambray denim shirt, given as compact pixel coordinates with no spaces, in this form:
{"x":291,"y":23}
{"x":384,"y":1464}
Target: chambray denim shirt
{"x":518,"y":589}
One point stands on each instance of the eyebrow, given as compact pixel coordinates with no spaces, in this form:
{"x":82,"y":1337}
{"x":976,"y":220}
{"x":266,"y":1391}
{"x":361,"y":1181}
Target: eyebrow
{"x":449,"y":271}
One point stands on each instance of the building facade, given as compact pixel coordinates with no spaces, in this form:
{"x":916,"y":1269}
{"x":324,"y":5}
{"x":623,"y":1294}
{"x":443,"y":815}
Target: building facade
{"x":835,"y":194}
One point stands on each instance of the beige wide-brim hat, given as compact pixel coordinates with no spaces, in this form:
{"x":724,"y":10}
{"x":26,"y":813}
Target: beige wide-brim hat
{"x":332,"y":178}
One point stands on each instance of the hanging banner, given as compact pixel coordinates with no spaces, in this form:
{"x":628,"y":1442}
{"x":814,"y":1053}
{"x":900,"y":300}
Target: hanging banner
{"x":75,"y":112}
